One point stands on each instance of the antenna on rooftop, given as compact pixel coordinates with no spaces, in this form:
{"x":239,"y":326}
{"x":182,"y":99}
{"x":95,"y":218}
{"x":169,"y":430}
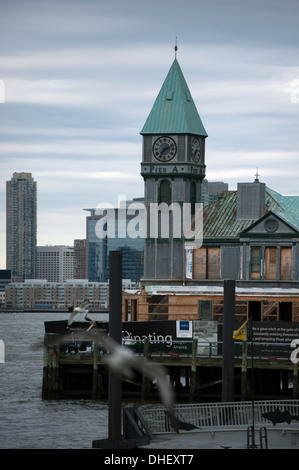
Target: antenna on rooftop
{"x":256,"y":175}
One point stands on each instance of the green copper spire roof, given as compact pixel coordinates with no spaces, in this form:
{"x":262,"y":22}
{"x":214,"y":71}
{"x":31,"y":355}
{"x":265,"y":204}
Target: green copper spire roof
{"x":174,"y":111}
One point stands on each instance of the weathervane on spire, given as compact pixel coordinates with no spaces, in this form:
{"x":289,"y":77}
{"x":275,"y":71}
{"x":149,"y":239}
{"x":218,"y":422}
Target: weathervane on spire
{"x":176,"y":47}
{"x":257,"y":175}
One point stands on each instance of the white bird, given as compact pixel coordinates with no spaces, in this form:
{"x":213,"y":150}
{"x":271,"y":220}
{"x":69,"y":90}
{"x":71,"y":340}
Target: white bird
{"x":75,"y":311}
{"x":122,"y":361}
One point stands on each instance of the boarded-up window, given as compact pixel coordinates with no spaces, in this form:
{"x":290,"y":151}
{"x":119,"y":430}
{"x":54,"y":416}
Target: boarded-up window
{"x":133,"y":310}
{"x":207,"y":263}
{"x":213,"y":263}
{"x":271,"y":263}
{"x":158,"y":304}
{"x":199,"y":263}
{"x":205,"y":310}
{"x":217,"y":310}
{"x":296,"y":311}
{"x":269,"y":310}
{"x":255,"y":263}
{"x":285,"y":263}
{"x":241,"y":310}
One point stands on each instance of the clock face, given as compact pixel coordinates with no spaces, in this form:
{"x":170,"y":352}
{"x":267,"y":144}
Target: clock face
{"x":164,"y":149}
{"x":195,"y":150}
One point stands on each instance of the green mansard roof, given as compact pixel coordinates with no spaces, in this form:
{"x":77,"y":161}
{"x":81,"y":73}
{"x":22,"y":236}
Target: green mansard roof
{"x":220,"y":218}
{"x":174,"y":111}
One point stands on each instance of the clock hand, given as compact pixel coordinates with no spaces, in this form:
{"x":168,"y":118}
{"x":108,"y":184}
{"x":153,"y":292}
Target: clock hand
{"x":164,"y":149}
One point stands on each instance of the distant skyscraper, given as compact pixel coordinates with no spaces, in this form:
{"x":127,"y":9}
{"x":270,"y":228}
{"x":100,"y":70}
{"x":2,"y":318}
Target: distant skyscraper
{"x":210,"y":190}
{"x":119,"y":239}
{"x":80,"y":259}
{"x":55,"y":263}
{"x":21,"y":226}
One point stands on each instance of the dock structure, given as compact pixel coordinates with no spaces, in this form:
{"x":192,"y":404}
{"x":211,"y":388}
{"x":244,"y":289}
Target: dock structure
{"x":76,"y":368}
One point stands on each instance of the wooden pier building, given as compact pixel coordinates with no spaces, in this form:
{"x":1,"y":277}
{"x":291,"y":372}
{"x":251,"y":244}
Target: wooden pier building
{"x":190,"y":351}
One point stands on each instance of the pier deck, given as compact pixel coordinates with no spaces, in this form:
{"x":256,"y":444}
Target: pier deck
{"x":194,"y":369}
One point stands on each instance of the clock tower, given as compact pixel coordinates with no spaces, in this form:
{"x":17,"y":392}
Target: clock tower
{"x":173,"y":167}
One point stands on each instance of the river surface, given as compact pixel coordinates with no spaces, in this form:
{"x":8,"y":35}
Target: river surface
{"x":27,"y":421}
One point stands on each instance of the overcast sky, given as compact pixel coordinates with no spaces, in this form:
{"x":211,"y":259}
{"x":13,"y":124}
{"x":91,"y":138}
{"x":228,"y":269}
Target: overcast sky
{"x":79,"y":79}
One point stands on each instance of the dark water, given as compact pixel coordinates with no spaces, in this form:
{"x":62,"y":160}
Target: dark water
{"x":27,"y":421}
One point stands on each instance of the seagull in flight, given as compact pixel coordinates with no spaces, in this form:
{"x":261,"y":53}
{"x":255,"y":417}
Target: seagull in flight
{"x":75,"y":311}
{"x":122,"y":361}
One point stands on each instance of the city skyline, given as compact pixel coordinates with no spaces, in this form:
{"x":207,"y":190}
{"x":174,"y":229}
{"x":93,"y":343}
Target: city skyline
{"x":80,"y":81}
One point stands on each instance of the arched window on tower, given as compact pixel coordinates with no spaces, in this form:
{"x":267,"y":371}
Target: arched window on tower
{"x":193,"y":196}
{"x":164,"y":192}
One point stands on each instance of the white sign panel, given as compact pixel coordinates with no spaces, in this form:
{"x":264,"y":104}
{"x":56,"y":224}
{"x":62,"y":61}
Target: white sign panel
{"x":189,"y":263}
{"x":184,"y":329}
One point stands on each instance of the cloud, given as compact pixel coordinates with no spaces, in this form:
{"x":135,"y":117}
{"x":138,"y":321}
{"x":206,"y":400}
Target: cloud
{"x":70,"y":93}
{"x":80,"y":79}
{"x":106,"y":57}
{"x":257,"y":82}
{"x":60,"y":227}
{"x":234,"y":166}
{"x":73,"y":147}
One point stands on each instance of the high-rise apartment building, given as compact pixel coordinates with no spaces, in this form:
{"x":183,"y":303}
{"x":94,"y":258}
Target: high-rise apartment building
{"x":80,"y":259}
{"x":39,"y":293}
{"x":55,"y":263}
{"x":21,"y":226}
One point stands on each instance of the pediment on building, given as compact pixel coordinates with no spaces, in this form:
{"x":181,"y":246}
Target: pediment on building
{"x":272,"y":225}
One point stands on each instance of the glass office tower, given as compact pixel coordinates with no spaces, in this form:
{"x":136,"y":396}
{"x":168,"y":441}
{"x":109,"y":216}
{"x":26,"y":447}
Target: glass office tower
{"x":119,"y":234}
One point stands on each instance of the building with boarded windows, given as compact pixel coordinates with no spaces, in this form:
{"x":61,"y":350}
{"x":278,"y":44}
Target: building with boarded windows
{"x":250,"y":235}
{"x":205,"y":302}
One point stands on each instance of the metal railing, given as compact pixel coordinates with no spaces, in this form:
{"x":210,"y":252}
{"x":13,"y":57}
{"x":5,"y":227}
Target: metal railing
{"x":257,"y":350}
{"x":160,"y":348}
{"x":188,"y":348}
{"x":208,"y":348}
{"x":225,"y":416}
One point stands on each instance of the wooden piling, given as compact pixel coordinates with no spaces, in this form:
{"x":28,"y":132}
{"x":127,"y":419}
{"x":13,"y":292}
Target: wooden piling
{"x":295,"y":381}
{"x":228,"y":341}
{"x":145,"y":383}
{"x":95,"y":371}
{"x":50,"y":387}
{"x":244,"y":384}
{"x":115,"y":331}
{"x":193,"y":370}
